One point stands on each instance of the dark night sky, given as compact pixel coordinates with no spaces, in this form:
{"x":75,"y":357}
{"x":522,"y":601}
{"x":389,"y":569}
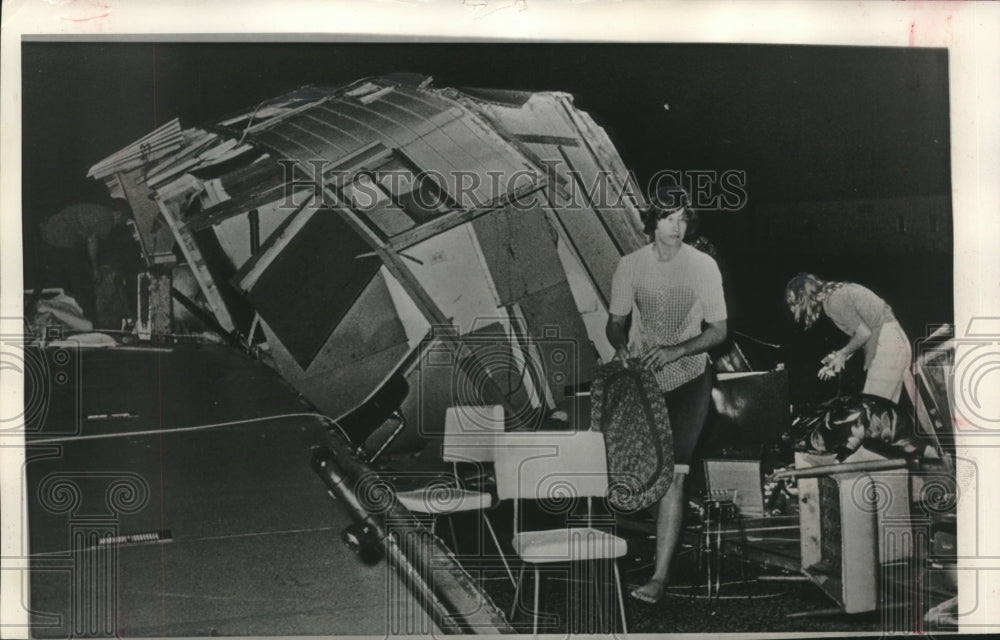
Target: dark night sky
{"x":804,"y":122}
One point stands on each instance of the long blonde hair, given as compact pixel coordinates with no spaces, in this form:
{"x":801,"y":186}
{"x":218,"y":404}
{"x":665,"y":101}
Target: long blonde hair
{"x":804,"y":295}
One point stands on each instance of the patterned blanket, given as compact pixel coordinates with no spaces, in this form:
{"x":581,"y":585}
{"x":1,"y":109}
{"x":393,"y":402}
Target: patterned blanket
{"x":628,"y":407}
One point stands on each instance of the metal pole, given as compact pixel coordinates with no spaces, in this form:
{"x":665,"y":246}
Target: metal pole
{"x":455,"y":601}
{"x":846,"y":467}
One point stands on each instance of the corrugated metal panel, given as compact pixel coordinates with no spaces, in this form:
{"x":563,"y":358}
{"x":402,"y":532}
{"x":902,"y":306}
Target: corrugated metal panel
{"x":430,"y":130}
{"x":421,"y":104}
{"x":339,"y":126}
{"x":465,"y":145}
{"x":288,"y":146}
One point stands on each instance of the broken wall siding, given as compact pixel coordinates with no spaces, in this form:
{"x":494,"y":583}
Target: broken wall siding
{"x":588,"y":301}
{"x":306,"y":291}
{"x":548,"y":128}
{"x":449,"y":269}
{"x":523,"y":259}
{"x":519,"y":248}
{"x":366,"y":344}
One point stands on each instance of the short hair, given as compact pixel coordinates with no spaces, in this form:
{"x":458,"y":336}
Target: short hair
{"x":668,"y":200}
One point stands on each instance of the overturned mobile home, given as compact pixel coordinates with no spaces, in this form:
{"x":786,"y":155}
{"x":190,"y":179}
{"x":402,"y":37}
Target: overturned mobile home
{"x":393,"y":249}
{"x":393,"y":241}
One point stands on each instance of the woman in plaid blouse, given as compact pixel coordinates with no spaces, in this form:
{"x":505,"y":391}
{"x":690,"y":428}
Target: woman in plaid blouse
{"x":674,"y":295}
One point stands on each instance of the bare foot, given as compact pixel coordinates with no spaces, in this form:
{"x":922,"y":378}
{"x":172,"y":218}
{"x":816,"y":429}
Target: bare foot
{"x":650,"y":592}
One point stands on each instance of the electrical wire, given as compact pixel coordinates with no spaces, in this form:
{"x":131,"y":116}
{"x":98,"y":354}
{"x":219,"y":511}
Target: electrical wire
{"x":757,"y":340}
{"x":97,"y":436}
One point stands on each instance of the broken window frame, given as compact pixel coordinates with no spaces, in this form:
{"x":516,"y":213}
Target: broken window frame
{"x":382,"y":182}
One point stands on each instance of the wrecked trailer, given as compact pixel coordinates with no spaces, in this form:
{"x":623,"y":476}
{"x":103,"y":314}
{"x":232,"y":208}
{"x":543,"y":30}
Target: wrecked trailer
{"x":443,"y":246}
{"x":392,"y":249}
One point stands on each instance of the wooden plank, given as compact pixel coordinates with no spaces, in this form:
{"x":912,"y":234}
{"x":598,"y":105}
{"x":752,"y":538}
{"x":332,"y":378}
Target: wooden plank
{"x":278,"y":118}
{"x":368,"y":156}
{"x":155,"y":237}
{"x":168,"y":168}
{"x":239,"y":205}
{"x":538,"y":138}
{"x":248,"y":273}
{"x":602,"y":192}
{"x":234,"y":234}
{"x":192,"y":254}
{"x":139,"y":149}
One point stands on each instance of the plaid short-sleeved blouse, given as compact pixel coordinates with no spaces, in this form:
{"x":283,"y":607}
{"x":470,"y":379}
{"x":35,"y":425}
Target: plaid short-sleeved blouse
{"x":671,"y":299}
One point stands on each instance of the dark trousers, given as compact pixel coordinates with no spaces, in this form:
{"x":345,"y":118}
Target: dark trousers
{"x":688,"y":406}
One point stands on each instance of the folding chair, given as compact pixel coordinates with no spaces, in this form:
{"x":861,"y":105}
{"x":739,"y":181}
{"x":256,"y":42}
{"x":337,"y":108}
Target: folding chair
{"x":469,"y":433}
{"x":556,"y":466}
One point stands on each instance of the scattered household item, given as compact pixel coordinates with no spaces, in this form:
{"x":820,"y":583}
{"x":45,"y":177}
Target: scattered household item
{"x":557,"y":469}
{"x":57,"y":310}
{"x":469,"y":436}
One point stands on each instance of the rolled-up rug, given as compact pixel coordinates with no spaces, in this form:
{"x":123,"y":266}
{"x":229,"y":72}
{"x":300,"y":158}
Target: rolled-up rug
{"x":629,"y":409}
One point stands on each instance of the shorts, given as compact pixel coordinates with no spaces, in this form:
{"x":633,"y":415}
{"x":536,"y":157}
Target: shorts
{"x":889,"y":371}
{"x":688,"y":407}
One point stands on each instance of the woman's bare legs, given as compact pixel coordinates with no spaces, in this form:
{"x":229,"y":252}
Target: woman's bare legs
{"x":668,"y":532}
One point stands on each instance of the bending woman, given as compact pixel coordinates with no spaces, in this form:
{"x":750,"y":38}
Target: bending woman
{"x":676,"y":291}
{"x":870,"y":323}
